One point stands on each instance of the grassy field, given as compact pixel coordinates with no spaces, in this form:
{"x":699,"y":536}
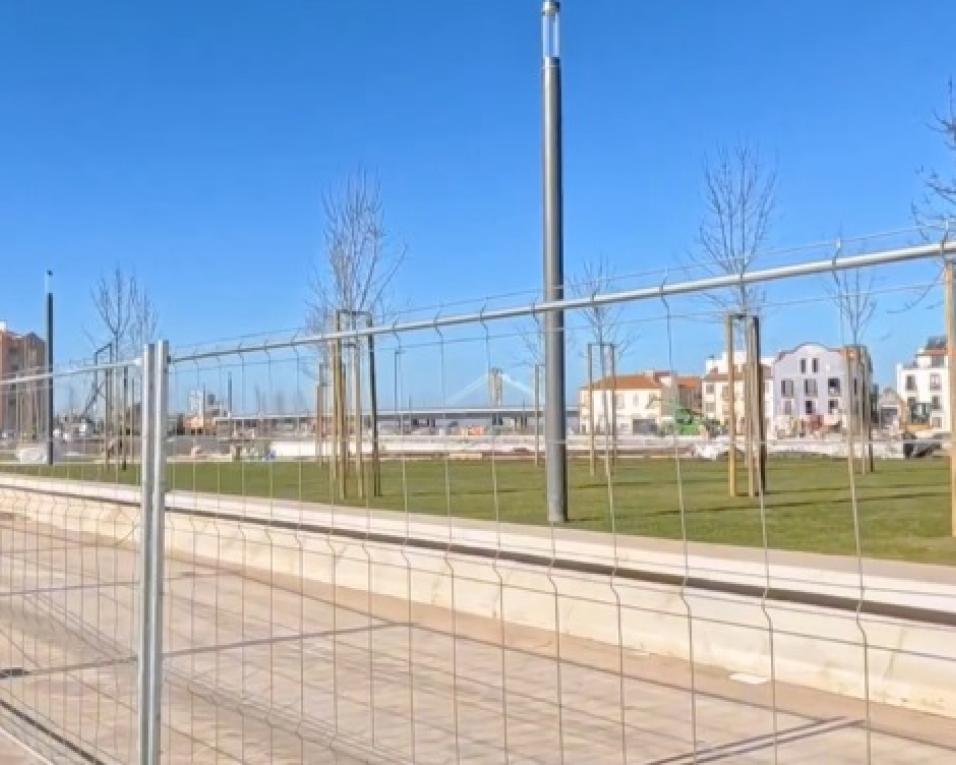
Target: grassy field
{"x":904,"y":505}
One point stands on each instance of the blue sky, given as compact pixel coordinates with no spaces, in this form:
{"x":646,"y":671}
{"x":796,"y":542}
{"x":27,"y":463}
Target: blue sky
{"x":192,"y":142}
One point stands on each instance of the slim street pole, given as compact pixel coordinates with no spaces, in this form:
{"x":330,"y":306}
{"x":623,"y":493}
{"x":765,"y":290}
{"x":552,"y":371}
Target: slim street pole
{"x":108,"y":401}
{"x":760,"y":427}
{"x":555,"y":424}
{"x":373,"y":405}
{"x":748,"y":405}
{"x":607,"y":405}
{"x":537,"y":413}
{"x":591,"y":409}
{"x":868,"y":412}
{"x":318,"y":419}
{"x":49,"y":367}
{"x":612,"y":350}
{"x":396,"y":406}
{"x":850,"y":408}
{"x":356,"y":365}
{"x":732,"y":416}
{"x":950,"y":304}
{"x":124,"y":438}
{"x":341,"y":428}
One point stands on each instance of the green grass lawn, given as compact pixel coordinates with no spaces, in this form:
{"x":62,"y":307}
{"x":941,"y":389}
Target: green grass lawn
{"x":904,"y":505}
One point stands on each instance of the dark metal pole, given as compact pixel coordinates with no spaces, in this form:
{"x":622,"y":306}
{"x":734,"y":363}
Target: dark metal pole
{"x":537,"y":413}
{"x":761,"y":406}
{"x":732,"y":416}
{"x":124,"y":437}
{"x":49,"y":367}
{"x":373,"y":403}
{"x":554,"y":381}
{"x":949,"y":306}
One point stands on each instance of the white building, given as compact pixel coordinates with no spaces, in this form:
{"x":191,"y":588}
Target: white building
{"x":642,"y":403}
{"x":812,"y":391}
{"x":924,"y":385}
{"x":715,"y":389}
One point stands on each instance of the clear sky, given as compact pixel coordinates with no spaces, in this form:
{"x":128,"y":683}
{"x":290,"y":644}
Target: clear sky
{"x":192,"y":142}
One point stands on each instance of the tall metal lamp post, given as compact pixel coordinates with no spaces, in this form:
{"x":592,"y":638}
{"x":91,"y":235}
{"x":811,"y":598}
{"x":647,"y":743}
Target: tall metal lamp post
{"x":555,"y":425}
{"x":49,"y":368}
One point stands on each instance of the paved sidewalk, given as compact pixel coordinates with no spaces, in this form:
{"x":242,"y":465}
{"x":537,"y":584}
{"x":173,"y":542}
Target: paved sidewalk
{"x":11,"y":753}
{"x":260,"y":671}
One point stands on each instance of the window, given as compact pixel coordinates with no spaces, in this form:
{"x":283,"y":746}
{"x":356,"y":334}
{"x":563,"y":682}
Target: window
{"x":709,"y":389}
{"x":636,"y":400}
{"x":834,"y":406}
{"x":937,"y":422}
{"x":910,"y":402}
{"x":786,"y":388}
{"x":810,"y":388}
{"x":935,"y":382}
{"x":833,"y":386}
{"x":910,"y":382}
{"x":808,"y":407}
{"x":815,"y":365}
{"x":803,"y":366}
{"x":936,"y":404}
{"x":937,"y":361}
{"x":788,"y":407}
{"x":618,"y":400}
{"x":710,"y":407}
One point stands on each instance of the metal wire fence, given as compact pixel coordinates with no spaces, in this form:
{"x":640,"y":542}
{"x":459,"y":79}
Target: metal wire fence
{"x":69,"y":571}
{"x":335,"y":548}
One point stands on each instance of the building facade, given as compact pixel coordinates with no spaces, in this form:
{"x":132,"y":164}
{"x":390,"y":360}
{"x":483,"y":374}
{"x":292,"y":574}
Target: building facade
{"x":715,"y":390}
{"x":923,"y":385}
{"x":638,"y":404}
{"x":22,"y":407}
{"x":890,"y":410}
{"x":814,"y":387}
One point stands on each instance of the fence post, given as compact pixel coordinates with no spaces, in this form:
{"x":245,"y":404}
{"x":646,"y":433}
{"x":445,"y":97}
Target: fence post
{"x":732,"y":417}
{"x":154,"y":406}
{"x":949,"y":303}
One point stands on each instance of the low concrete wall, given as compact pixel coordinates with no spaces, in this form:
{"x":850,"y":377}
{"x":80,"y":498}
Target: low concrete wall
{"x":585,"y":584}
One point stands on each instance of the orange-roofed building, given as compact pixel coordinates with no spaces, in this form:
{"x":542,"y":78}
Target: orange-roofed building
{"x":639,"y":403}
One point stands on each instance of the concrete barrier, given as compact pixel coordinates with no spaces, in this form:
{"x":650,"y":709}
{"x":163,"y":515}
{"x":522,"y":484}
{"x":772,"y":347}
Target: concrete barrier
{"x":632,"y":591}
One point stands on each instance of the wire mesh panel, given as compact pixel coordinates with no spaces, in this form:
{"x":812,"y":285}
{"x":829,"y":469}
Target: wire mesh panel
{"x":358,"y":564}
{"x":68,"y":563}
{"x":360,"y":567}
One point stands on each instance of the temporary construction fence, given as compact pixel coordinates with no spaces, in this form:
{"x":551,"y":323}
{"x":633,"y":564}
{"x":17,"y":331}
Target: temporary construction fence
{"x":200,"y":598}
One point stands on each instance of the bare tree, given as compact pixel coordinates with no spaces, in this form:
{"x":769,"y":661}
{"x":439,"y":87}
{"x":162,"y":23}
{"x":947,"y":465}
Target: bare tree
{"x":938,"y":206}
{"x":740,"y":198}
{"x":127,"y":315}
{"x":145,"y":324}
{"x":358,"y":265}
{"x":359,"y":259}
{"x":605,"y":327}
{"x":852,"y":293}
{"x":128,"y":320}
{"x":607,"y":333}
{"x":530,"y":349}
